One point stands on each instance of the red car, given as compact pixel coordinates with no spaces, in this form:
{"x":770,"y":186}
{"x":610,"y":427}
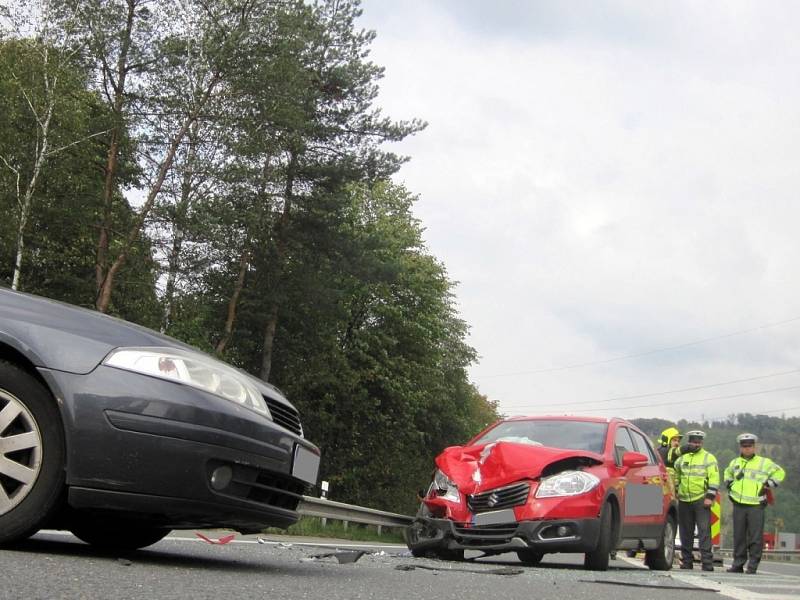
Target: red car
{"x":536,"y":485}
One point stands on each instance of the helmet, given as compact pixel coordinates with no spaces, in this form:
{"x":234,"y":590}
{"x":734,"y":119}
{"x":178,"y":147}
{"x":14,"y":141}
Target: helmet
{"x":696,"y":434}
{"x":747,"y":437}
{"x":668,"y":434}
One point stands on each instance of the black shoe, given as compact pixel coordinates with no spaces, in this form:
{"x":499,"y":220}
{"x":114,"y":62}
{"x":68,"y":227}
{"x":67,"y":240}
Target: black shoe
{"x":688,"y":567}
{"x":750,"y":571}
{"x":708,"y":568}
{"x":734,"y":570}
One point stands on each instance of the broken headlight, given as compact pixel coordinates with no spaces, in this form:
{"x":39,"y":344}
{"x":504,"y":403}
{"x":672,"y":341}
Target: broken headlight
{"x":445,"y":488}
{"x":566,"y":483}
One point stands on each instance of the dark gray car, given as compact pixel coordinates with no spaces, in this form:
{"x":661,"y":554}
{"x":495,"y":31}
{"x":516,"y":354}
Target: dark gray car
{"x":120,"y":434}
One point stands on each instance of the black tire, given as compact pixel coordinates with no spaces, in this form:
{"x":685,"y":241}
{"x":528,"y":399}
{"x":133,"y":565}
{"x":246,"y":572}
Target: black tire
{"x":597,"y":559}
{"x":31,"y":467}
{"x":530,"y":558}
{"x":117,"y":535}
{"x":447,"y":554}
{"x":661,"y":558}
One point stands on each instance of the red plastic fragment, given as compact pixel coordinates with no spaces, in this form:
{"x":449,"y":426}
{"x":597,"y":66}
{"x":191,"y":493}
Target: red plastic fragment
{"x":225,"y":539}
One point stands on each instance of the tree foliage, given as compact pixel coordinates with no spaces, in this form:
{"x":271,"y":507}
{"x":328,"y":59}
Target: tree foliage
{"x":232,"y":186}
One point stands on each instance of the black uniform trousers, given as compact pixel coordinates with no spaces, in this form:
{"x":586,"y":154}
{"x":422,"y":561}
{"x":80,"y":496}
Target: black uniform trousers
{"x":691,"y":514}
{"x":748,"y":535}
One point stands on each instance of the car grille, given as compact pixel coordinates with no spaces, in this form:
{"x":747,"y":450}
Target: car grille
{"x":484,"y":535}
{"x":262,"y":486}
{"x":504,"y":497}
{"x":284,"y":415}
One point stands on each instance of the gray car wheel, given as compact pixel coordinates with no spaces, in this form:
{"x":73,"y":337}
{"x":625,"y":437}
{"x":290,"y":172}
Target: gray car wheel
{"x":31,"y":454}
{"x":661,"y":558}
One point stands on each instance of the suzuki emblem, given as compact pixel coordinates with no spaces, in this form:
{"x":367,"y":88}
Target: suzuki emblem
{"x":493,"y":500}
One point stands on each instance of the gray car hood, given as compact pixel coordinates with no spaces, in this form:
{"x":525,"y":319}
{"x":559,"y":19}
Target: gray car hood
{"x":63,"y":337}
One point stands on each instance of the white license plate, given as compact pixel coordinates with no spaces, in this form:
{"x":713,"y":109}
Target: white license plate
{"x":306,"y":464}
{"x":495,"y":517}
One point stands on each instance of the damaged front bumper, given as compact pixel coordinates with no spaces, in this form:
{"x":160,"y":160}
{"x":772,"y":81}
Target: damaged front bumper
{"x":545,"y":536}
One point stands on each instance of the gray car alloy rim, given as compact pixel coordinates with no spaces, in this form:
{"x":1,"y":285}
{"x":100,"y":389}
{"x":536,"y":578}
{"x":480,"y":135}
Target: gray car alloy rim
{"x":20,"y":451}
{"x":669,"y":542}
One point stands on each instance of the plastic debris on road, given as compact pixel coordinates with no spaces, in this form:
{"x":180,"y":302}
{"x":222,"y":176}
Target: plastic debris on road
{"x":344,"y":557}
{"x":501,"y":571}
{"x":225,"y":539}
{"x":261,"y":540}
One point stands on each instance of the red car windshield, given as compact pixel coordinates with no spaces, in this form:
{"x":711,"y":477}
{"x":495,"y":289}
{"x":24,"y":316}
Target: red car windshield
{"x":570,"y":435}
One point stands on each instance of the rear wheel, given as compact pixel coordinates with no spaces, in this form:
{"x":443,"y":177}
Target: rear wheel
{"x":660,"y":558}
{"x":597,"y":559}
{"x":32,"y":455}
{"x":117,"y":535}
{"x":530,"y":557}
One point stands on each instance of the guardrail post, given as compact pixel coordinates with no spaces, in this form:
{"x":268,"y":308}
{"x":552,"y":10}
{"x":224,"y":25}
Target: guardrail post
{"x":324,"y":486}
{"x":380,"y":529}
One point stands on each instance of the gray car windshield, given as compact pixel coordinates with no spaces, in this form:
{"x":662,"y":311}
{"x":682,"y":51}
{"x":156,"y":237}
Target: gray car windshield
{"x":570,"y":435}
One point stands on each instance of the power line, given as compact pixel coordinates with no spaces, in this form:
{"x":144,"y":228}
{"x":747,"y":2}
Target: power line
{"x":663,"y":393}
{"x":645,"y":353}
{"x":743,"y":395}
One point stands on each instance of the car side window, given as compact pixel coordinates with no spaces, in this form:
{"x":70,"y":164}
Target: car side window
{"x":643,"y":446}
{"x":622,"y":444}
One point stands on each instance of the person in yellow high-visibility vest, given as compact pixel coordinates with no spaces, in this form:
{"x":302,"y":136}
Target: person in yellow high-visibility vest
{"x":747,"y":478}
{"x":670,"y":449}
{"x":697,"y":476}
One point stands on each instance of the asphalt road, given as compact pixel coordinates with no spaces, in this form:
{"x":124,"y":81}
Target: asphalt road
{"x":57,"y":565}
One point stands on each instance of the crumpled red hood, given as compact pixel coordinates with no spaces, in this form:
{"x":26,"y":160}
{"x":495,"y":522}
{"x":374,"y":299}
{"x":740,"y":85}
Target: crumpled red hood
{"x":499,"y":463}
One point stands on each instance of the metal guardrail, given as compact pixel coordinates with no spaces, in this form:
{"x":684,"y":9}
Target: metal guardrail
{"x":777,"y":555}
{"x":349,"y":513}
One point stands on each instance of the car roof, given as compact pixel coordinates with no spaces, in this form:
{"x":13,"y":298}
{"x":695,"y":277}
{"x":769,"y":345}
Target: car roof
{"x":590,"y":419}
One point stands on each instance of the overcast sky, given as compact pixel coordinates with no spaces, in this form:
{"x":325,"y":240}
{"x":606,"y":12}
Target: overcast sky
{"x":606,"y":179}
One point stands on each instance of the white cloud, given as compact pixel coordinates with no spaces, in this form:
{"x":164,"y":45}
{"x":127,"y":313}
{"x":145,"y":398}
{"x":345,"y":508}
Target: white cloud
{"x":605,"y":178}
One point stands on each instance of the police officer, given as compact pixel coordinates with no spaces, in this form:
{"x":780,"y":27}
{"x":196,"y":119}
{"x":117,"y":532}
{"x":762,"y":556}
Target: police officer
{"x":747,"y":479}
{"x":669,"y":449}
{"x":697,"y":477}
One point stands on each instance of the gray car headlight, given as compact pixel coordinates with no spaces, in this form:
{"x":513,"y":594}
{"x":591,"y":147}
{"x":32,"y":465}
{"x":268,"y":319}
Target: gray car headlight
{"x":193,"y":369}
{"x":567,"y":483}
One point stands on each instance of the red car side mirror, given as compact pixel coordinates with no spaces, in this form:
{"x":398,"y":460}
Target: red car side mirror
{"x":634,"y":459}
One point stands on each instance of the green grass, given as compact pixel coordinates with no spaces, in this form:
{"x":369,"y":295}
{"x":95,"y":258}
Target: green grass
{"x":312,"y":527}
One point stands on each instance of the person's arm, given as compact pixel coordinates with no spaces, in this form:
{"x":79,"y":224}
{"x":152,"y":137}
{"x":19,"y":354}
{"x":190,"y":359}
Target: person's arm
{"x":712,"y":473}
{"x":775,"y":476}
{"x":728,"y":475}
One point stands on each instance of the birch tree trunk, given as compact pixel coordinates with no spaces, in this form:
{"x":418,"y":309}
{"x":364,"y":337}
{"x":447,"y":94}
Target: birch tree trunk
{"x":26,"y":202}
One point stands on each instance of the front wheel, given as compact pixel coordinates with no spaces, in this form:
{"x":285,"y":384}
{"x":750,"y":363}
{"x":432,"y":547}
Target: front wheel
{"x":113,"y":535}
{"x":32,"y":455}
{"x":530,"y":557}
{"x":447,"y":554}
{"x":597,"y":559}
{"x":660,"y":558}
